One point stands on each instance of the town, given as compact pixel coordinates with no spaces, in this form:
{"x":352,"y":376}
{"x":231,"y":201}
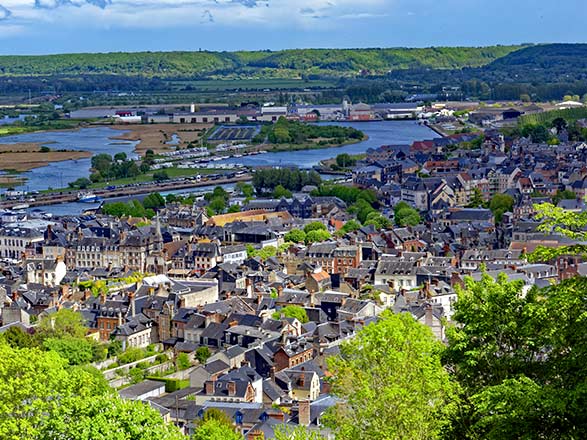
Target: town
{"x":234,"y":299}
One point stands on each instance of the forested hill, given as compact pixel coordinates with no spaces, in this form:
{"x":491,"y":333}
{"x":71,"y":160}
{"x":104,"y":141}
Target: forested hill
{"x":286,"y":63}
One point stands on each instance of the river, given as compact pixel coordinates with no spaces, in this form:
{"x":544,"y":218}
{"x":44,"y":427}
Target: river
{"x":97,"y":140}
{"x":379,"y":132}
{"x":58,"y":174}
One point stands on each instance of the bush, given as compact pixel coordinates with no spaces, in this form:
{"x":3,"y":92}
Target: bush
{"x":183,"y":361}
{"x":131,"y":355}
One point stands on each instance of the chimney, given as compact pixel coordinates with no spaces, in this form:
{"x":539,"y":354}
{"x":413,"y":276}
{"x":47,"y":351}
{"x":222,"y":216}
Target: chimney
{"x":119,"y":318}
{"x":131,"y":299}
{"x":209,"y":387}
{"x":272,"y":373}
{"x":304,"y":412}
{"x":249,"y":287}
{"x":193,"y":108}
{"x":103,"y":298}
{"x":232,"y":388}
{"x":302,"y":379}
{"x":428,"y":315}
{"x":279,"y":290}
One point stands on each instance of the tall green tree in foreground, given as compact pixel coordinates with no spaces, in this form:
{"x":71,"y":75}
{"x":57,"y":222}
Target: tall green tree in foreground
{"x":41,"y":397}
{"x":392,"y":383}
{"x":519,"y":358}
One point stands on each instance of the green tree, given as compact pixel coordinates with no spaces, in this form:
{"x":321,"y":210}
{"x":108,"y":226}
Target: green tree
{"x":391,"y":381}
{"x":154,"y":201}
{"x":120,"y":157}
{"x":295,"y":236}
{"x":405,"y":215}
{"x":160,"y":176}
{"x":297,"y":433}
{"x":280,"y":192}
{"x":563,"y":195}
{"x":81,"y":183}
{"x":315,"y":226}
{"x":77,"y":351}
{"x":476,"y":200}
{"x":217,"y":205}
{"x":233,"y":208}
{"x":292,"y":311}
{"x":345,"y":160}
{"x":500,"y":204}
{"x":62,"y":323}
{"x":317,"y":235}
{"x":183,"y":361}
{"x":17,"y":338}
{"x":519,"y":365}
{"x":350,"y":226}
{"x":378,"y":220}
{"x":246,"y":189}
{"x":215,"y":430}
{"x":109,"y":417}
{"x":202,"y":354}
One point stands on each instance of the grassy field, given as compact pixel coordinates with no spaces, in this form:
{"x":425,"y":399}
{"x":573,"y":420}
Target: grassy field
{"x":253,"y":84}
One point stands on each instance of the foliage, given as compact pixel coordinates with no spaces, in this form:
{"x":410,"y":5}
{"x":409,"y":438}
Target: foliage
{"x":299,"y":61}
{"x":392,"y":382}
{"x":133,"y":208}
{"x":348,"y":194}
{"x":280,"y":192}
{"x":202,"y":354}
{"x":63,"y":323}
{"x":500,"y":204}
{"x":246,"y":189}
{"x":292,"y":132}
{"x":293,"y":180}
{"x":405,"y":215}
{"x":350,"y":226}
{"x":548,"y":118}
{"x":295,"y":236}
{"x":476,"y":200}
{"x":292,"y":311}
{"x":263,"y":253}
{"x":217,"y":206}
{"x":215,"y":430}
{"x":160,"y":176}
{"x":297,"y":433}
{"x":183,"y":361}
{"x":378,"y":220}
{"x":154,"y":201}
{"x":317,"y":235}
{"x":81,"y":183}
{"x":517,"y":362}
{"x":77,"y":351}
{"x":106,"y":168}
{"x":17,"y":338}
{"x":112,"y":418}
{"x":132,"y":354}
{"x":345,"y":160}
{"x":315,"y":226}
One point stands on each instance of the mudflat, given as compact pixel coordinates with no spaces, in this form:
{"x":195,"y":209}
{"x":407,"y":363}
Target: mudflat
{"x":155,"y":136}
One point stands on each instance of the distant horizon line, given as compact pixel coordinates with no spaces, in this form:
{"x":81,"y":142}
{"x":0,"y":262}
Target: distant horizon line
{"x":525,"y":44}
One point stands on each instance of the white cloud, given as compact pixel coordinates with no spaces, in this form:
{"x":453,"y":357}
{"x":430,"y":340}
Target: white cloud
{"x":166,"y":13}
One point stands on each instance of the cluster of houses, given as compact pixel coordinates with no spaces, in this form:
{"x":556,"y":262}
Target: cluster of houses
{"x":208,"y":286}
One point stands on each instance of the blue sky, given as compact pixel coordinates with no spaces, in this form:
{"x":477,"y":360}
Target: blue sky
{"x":59,"y":26}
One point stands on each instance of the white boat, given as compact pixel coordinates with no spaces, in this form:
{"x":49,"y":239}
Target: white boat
{"x":20,"y":207}
{"x":88,"y":198}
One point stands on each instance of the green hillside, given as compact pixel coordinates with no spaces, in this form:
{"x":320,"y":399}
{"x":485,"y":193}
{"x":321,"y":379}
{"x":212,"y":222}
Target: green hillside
{"x":286,"y":63}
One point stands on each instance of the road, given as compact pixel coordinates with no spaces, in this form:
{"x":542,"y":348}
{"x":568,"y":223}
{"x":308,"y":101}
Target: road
{"x":71,"y":196}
